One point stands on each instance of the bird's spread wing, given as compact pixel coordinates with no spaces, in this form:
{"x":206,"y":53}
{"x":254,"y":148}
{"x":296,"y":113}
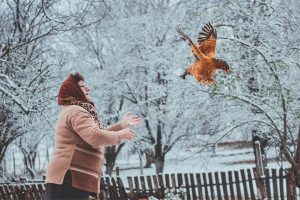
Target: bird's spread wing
{"x":198,"y":55}
{"x":207,"y":40}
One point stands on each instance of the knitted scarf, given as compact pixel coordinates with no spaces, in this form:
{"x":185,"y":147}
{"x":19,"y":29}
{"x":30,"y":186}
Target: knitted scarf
{"x":71,"y":94}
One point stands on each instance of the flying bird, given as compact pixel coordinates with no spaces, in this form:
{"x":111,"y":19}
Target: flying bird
{"x":206,"y":63}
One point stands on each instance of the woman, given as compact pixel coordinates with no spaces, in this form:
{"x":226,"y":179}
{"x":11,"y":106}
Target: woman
{"x":75,"y":166}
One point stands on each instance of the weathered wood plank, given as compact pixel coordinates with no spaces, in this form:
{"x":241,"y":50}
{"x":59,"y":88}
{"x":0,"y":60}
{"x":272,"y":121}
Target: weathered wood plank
{"x":167,"y":179}
{"x":199,"y":186}
{"x":288,"y":189}
{"x":205,"y":185}
{"x":156,"y":188}
{"x":237,"y":184}
{"x":232,"y":195}
{"x":193,"y":186}
{"x":131,"y":188}
{"x":149,"y":181}
{"x":187,"y":186}
{"x":173,"y":181}
{"x":268,"y":190}
{"x":218,"y":186}
{"x":143,"y":187}
{"x":281,"y":184}
{"x":137,"y":186}
{"x":250,"y":179}
{"x":122,"y":190}
{"x":224,"y":185}
{"x":211,"y":185}
{"x":274,"y":183}
{"x":244,"y":181}
{"x":161,"y":186}
{"x":179,"y":180}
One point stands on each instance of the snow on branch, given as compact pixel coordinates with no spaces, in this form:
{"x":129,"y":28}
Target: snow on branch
{"x":10,"y":82}
{"x":13,"y":63}
{"x":47,"y":16}
{"x":16,"y":100}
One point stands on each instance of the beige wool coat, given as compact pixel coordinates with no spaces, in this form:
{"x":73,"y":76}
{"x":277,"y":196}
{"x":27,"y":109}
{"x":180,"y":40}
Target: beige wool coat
{"x":79,"y":146}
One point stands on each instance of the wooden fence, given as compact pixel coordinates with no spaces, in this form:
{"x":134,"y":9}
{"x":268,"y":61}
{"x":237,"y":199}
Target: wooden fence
{"x":233,"y":185}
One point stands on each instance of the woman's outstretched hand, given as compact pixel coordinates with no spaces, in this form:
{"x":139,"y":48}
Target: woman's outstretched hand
{"x":126,"y":134}
{"x":130,"y":119}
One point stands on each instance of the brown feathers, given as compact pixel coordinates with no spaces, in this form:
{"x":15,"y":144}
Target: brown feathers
{"x":205,"y":65}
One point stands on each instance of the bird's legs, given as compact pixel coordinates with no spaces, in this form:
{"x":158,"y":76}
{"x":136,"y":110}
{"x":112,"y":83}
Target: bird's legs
{"x":184,"y":74}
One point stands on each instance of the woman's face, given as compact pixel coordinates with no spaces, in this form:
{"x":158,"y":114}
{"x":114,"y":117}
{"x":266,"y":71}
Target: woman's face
{"x":85,"y":89}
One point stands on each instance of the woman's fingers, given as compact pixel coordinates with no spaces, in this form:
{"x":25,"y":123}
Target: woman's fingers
{"x":135,"y":120}
{"x":127,"y":134}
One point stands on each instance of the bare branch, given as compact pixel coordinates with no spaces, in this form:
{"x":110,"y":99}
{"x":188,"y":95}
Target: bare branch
{"x":16,"y":100}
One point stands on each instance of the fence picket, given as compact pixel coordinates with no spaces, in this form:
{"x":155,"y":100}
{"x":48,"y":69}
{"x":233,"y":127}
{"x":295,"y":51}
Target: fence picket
{"x":173,"y":180}
{"x":167,"y":179}
{"x":281,"y":184}
{"x":161,"y":185}
{"x":218,"y":187}
{"x":193,"y":186}
{"x":274,"y":183}
{"x":250,"y":178}
{"x":143,"y":187}
{"x":224,"y":185}
{"x":232,"y":195}
{"x":136,"y":186}
{"x":237,"y":184}
{"x":288,"y":191}
{"x":187,"y":186}
{"x":244,"y":181}
{"x":179,"y":179}
{"x":130,"y":183}
{"x":268,"y":187}
{"x":149,"y":181}
{"x":205,"y":186}
{"x":155,"y":182}
{"x":110,"y":189}
{"x":211,"y":185}
{"x":199,"y":186}
{"x":122,"y":191}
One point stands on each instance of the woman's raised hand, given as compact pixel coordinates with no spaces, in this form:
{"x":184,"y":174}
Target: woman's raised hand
{"x":130,"y":119}
{"x":126,"y":134}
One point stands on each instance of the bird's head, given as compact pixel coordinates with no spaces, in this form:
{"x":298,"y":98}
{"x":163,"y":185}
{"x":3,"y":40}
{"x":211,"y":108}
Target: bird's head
{"x":223,"y":65}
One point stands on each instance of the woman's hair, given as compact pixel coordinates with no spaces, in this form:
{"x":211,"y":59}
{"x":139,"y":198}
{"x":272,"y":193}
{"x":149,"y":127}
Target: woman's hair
{"x":78,"y":77}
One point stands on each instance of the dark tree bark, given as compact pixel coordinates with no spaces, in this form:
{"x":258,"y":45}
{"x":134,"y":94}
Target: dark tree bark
{"x":111,"y":154}
{"x":150,"y":158}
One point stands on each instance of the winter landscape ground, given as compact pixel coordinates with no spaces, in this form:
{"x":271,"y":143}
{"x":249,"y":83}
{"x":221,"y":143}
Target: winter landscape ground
{"x":226,"y":158}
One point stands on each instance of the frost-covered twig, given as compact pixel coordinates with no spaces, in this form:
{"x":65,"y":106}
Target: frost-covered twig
{"x":9,"y":81}
{"x":16,"y":100}
{"x":13,"y":63}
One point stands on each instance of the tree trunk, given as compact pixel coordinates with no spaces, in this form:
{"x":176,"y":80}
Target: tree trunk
{"x":111,"y":154}
{"x":292,"y":185}
{"x":141,"y":161}
{"x":109,"y":167}
{"x":159,"y":164}
{"x":150,"y":158}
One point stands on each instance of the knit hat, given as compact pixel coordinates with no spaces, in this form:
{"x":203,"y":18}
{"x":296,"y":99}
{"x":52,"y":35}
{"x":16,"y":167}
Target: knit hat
{"x":70,"y":91}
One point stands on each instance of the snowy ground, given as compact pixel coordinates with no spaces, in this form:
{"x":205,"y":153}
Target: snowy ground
{"x":223,"y":159}
{"x":178,"y":160}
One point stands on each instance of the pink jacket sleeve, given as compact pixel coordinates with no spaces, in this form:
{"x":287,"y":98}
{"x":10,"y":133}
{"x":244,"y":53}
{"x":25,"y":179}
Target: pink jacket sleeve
{"x":84,"y":125}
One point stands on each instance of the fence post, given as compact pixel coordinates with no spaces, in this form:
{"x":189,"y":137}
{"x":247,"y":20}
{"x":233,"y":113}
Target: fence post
{"x":260,"y":171}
